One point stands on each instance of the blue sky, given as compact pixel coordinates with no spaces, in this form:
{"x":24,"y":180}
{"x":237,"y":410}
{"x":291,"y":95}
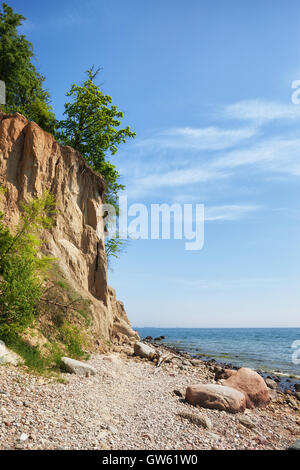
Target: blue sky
{"x":206,"y":85}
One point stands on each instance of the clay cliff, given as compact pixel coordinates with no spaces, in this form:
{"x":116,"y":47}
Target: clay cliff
{"x":31,"y":161}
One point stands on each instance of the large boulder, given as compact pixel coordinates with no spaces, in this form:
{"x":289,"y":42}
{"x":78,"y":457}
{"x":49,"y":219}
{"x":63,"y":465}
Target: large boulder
{"x":216,"y":397}
{"x":9,"y":357}
{"x":143,"y":350}
{"x":77,"y":367}
{"x":252,"y":385}
{"x":221,"y":373}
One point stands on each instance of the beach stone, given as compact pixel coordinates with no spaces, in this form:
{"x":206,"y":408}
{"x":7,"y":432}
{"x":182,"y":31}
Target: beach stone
{"x":76,"y":367}
{"x":297,"y":387}
{"x":196,"y":362}
{"x":292,"y":401}
{"x":295,"y":445}
{"x":271,"y":383}
{"x":112,"y":429}
{"x":9,"y":357}
{"x":186,"y":363}
{"x":198,"y":420}
{"x":143,"y":350}
{"x":252,"y":385}
{"x":245,"y":421}
{"x":273,"y":394}
{"x":216,"y":397}
{"x":178,"y":393}
{"x":112,"y":359}
{"x":297,"y":395}
{"x":221,"y":373}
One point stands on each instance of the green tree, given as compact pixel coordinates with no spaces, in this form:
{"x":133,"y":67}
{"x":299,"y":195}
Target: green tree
{"x":22,"y":268}
{"x":24,"y":84}
{"x":92,"y":126}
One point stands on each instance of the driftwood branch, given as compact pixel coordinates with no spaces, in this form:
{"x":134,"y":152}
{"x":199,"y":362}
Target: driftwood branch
{"x":58,"y":304}
{"x":163,"y":359}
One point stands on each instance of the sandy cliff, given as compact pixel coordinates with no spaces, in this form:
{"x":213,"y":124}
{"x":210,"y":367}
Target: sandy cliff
{"x":31,"y":161}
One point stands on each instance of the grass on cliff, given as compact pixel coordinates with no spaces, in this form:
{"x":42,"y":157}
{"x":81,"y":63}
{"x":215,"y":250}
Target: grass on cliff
{"x":62,"y":328}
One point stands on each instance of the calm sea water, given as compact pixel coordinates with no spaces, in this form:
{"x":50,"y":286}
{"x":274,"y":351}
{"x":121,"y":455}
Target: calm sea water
{"x":267,"y":349}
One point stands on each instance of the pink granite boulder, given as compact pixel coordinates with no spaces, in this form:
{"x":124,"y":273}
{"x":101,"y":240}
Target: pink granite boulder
{"x":216,"y":397}
{"x":252,"y":385}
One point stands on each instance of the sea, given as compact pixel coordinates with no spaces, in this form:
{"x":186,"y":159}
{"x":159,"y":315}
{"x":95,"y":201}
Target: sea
{"x":270,"y":350}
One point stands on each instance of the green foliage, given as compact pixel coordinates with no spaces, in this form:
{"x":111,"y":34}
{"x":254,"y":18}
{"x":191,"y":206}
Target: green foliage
{"x":92,"y":126}
{"x":24,"y":84}
{"x":113,"y":247}
{"x":22,"y":268}
{"x":73,"y":340}
{"x":32,"y":356}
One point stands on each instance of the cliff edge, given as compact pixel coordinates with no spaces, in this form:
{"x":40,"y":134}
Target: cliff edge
{"x":31,"y":162}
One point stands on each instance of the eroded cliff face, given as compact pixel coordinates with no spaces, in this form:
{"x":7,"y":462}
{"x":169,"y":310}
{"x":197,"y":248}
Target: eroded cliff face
{"x":31,"y":162}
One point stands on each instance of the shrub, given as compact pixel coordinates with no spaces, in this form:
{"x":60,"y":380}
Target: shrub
{"x":22,"y":268}
{"x":73,"y":339}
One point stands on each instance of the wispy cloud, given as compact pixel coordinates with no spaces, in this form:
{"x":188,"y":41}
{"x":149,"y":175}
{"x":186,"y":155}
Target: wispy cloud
{"x":191,"y":159}
{"x":220,"y":213}
{"x":260,"y":111}
{"x":207,"y":138}
{"x":273,"y":156}
{"x":276,"y":155}
{"x":180,"y":177}
{"x":229,"y":212}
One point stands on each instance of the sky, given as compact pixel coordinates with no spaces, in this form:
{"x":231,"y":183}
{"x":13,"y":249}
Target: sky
{"x":207,"y":87}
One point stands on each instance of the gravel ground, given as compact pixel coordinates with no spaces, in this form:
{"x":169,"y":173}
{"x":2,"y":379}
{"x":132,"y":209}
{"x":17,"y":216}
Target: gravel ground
{"x":130,"y":404}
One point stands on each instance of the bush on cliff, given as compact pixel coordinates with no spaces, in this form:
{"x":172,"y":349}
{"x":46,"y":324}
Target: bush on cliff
{"x":41,"y":317}
{"x":22,"y":268}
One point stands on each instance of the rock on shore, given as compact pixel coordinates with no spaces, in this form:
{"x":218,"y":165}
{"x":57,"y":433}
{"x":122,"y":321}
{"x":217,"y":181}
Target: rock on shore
{"x":251,"y":385}
{"x":130,"y":404}
{"x":77,"y":367}
{"x":217,"y":397}
{"x":9,"y":357}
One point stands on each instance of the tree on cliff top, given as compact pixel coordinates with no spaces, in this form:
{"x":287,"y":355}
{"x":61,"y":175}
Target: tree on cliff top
{"x":24,"y":84}
{"x":92,"y":127}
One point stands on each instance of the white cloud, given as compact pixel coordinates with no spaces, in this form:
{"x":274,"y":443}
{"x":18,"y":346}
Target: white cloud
{"x":229,"y":212}
{"x":180,"y":177}
{"x":154,"y":168}
{"x":276,"y":155}
{"x":226,"y":212}
{"x":261,"y":111}
{"x":273,"y":156}
{"x":207,"y":138}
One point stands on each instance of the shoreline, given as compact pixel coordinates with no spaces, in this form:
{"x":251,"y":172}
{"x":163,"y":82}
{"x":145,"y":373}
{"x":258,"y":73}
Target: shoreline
{"x":131,"y":403}
{"x":284,"y":380}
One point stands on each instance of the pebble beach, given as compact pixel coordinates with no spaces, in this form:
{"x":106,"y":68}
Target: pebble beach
{"x":130,"y":403}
